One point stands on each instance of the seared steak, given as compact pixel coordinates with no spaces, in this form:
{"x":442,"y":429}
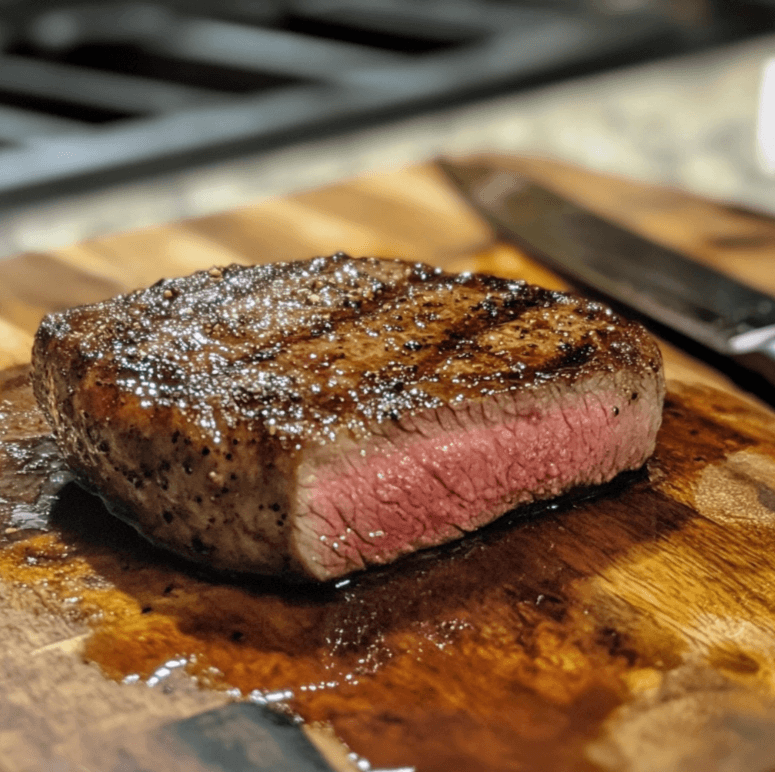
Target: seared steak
{"x":313,"y":418}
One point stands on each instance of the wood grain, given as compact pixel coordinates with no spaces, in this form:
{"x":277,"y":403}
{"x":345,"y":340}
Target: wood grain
{"x":629,"y":632}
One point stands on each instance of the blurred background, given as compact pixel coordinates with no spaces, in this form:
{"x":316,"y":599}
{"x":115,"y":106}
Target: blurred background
{"x":117,"y":114}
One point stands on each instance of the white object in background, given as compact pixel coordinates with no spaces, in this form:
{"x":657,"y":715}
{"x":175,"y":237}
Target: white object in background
{"x":765,"y":127}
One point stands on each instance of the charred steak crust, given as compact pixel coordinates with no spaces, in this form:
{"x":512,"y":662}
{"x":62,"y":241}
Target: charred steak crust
{"x":311,"y":418}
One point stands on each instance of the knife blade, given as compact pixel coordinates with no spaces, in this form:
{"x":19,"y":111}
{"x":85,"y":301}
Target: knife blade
{"x":710,"y":308}
{"x":237,"y":737}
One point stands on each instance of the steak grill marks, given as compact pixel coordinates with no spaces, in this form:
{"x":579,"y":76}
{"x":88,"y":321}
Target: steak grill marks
{"x":309,"y":347}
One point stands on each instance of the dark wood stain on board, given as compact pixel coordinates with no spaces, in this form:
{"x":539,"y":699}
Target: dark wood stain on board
{"x":514,"y":648}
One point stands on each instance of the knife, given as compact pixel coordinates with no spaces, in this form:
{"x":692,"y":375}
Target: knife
{"x":731,"y":319}
{"x":246,"y":736}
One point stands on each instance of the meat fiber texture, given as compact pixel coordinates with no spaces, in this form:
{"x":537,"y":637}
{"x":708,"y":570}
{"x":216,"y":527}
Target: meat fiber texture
{"x":314,"y":418}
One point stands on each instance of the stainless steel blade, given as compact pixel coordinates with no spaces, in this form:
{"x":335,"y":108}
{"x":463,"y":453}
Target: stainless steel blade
{"x":702,"y":304}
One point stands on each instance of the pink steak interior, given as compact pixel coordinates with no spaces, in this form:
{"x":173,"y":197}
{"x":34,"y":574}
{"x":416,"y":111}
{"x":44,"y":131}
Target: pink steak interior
{"x":421,"y":488}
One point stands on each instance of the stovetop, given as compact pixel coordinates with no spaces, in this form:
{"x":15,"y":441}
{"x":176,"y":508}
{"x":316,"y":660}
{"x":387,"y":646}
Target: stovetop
{"x":95,"y":93}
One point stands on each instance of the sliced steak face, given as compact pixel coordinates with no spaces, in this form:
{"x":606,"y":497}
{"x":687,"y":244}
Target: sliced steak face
{"x":317,"y":417}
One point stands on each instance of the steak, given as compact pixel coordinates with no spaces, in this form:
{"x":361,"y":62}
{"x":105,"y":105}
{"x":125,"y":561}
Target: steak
{"x":314,"y":418}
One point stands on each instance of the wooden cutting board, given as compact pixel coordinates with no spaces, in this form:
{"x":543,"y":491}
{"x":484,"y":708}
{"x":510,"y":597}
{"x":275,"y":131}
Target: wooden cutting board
{"x":631,"y":631}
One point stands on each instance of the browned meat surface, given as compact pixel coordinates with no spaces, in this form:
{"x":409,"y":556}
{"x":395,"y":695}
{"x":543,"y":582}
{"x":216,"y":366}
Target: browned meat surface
{"x":313,"y":418}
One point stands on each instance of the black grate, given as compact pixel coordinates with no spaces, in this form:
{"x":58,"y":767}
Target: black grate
{"x":134,"y":59}
{"x":42,"y":107}
{"x":363,"y":31}
{"x":106,"y":91}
